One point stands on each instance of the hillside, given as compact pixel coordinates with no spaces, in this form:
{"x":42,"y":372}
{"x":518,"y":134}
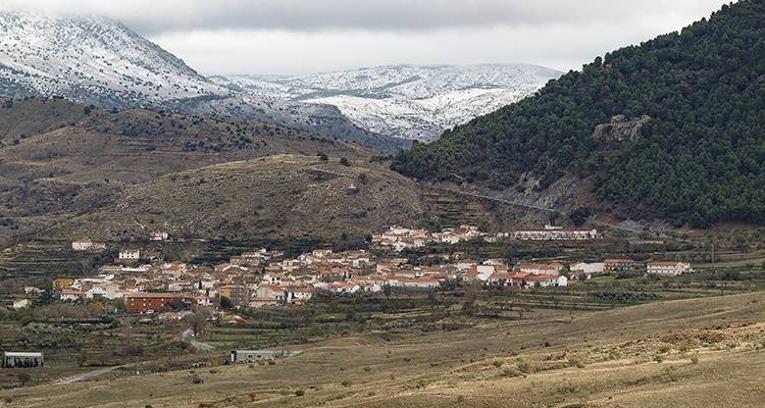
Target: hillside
{"x":410,"y":101}
{"x":61,"y":159}
{"x":687,"y":353}
{"x":100,"y":61}
{"x":267,"y":198}
{"x":668,"y":129}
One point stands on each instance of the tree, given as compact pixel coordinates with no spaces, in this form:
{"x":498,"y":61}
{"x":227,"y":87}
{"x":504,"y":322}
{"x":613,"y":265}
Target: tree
{"x":323,"y":156}
{"x":23,"y":378}
{"x":225,"y":303}
{"x":197,"y":321}
{"x":579,"y":216}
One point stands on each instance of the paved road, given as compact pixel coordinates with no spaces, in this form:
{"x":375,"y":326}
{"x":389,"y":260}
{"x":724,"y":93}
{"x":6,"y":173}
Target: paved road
{"x":188,"y":337}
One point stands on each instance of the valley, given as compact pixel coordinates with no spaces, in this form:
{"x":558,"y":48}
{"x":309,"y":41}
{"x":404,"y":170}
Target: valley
{"x":423,"y":234}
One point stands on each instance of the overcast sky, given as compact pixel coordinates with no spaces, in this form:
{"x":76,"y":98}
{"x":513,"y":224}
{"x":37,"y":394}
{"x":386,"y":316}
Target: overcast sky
{"x":299,"y":36}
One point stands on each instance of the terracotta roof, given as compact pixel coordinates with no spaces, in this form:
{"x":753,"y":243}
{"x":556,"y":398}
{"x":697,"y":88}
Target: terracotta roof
{"x":156,"y":295}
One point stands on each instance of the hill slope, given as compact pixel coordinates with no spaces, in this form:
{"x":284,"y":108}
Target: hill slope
{"x":60,"y":159}
{"x":597,"y":359}
{"x":272,"y":197}
{"x":667,"y":129}
{"x":410,"y":101}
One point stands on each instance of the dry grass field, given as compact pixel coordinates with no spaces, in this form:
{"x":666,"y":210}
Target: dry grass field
{"x":688,"y":353}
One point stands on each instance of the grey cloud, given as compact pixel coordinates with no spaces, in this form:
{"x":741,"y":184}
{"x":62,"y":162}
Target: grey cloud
{"x":158,"y":16}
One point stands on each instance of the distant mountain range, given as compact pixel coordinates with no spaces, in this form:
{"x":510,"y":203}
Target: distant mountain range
{"x":408,"y":101}
{"x":100,"y":61}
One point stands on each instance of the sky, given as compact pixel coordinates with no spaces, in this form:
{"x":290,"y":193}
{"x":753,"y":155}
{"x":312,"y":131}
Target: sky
{"x":302,"y":36}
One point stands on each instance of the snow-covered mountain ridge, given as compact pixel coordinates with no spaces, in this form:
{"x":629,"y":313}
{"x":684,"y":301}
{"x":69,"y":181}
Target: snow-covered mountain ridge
{"x":100,"y":61}
{"x":414,"y":102}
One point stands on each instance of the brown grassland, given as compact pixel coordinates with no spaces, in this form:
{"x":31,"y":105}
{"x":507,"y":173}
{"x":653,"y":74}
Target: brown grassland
{"x":705,"y":352}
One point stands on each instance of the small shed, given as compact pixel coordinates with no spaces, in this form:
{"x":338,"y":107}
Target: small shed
{"x":248,"y":356}
{"x":22,"y":360}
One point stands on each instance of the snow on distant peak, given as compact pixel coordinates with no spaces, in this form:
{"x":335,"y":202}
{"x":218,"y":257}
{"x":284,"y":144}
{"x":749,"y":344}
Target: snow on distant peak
{"x":409,"y":101}
{"x":90,"y":59}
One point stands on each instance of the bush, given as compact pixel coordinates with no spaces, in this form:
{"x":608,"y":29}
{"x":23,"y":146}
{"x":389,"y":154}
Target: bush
{"x":23,"y":378}
{"x":300,"y":392}
{"x":498,"y":363}
{"x":695,"y":359}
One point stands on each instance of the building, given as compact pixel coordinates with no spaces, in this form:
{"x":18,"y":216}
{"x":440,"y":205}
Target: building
{"x":19,"y":304}
{"x":159,"y":236}
{"x":249,"y":356}
{"x":588,"y":268}
{"x":239,"y":295}
{"x":540,"y":268}
{"x":550,"y":233}
{"x":22,"y":360}
{"x":88,"y":246}
{"x":154,"y":302}
{"x":130,"y":254}
{"x":545,"y":280}
{"x":667,"y":268}
{"x":618,"y":265}
{"x":70,"y":295}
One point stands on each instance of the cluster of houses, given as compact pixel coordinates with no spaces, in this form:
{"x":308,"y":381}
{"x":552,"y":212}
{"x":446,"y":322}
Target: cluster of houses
{"x":401,"y":238}
{"x":553,"y":233}
{"x":268,"y":278}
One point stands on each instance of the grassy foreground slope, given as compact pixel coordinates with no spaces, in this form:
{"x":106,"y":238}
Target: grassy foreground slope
{"x":668,"y":129}
{"x":689,"y":353}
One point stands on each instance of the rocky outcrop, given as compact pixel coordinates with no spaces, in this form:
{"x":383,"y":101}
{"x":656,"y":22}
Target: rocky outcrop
{"x":620,"y":129}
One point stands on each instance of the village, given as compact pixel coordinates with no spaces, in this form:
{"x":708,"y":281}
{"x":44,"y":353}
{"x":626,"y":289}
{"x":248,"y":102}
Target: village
{"x":267,"y":278}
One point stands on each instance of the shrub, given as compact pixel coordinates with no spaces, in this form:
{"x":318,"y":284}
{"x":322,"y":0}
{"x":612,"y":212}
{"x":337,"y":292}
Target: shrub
{"x":498,"y":363}
{"x":695,"y":359}
{"x":23,"y":378}
{"x":300,"y":392}
{"x":523,"y":366}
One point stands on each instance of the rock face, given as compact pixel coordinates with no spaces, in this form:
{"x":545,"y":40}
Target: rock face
{"x":620,"y":129}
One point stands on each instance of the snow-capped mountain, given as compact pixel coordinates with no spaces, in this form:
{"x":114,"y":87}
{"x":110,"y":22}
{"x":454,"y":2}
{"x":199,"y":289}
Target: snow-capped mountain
{"x":100,"y":61}
{"x":414,"y":102}
{"x":91,"y":59}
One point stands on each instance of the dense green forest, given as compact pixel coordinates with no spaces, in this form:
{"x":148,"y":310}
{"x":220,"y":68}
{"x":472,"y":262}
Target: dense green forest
{"x":700,"y":158}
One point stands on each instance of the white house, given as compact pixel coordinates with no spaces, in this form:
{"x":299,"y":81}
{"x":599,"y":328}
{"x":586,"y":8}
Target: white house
{"x":667,"y":268}
{"x":109,"y":291}
{"x":545,"y":280}
{"x":550,"y":233}
{"x":70,"y":295}
{"x":19,"y":303}
{"x":130,"y":254}
{"x":589,"y":268}
{"x":159,"y":236}
{"x":88,"y":246}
